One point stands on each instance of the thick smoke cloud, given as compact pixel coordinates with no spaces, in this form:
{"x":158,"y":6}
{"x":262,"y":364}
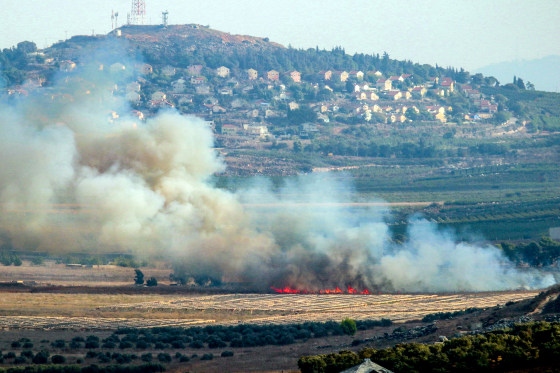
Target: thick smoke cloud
{"x":73,"y":181}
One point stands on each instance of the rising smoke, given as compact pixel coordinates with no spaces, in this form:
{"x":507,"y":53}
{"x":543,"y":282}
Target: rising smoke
{"x":74,"y":181}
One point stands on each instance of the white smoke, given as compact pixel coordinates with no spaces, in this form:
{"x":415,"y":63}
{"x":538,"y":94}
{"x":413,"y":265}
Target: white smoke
{"x":73,"y":181}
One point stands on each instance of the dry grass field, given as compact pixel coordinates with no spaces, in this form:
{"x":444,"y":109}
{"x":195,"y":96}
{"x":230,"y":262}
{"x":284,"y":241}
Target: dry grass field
{"x":60,"y":274}
{"x":106,"y":312}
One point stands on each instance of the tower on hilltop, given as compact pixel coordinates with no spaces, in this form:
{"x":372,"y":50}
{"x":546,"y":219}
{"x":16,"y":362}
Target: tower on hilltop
{"x":137,"y":14}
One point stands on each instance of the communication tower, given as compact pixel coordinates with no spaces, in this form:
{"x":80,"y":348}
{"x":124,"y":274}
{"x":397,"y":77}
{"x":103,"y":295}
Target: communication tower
{"x":114,"y":20}
{"x":164,"y":18}
{"x":137,"y":13}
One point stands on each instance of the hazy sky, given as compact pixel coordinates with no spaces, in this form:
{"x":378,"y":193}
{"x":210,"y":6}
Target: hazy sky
{"x":458,"y":33}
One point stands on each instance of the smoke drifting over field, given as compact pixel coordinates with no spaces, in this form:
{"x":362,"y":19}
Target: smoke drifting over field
{"x":144,"y":188}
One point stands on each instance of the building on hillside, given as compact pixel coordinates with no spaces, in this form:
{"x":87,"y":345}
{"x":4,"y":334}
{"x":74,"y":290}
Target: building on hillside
{"x":252,"y":74}
{"x":222,"y":72}
{"x":362,"y":87}
{"x":133,"y":87}
{"x":217,"y":109}
{"x":202,"y":89}
{"x":418,"y":92}
{"x":161,"y":104}
{"x":383,"y":84}
{"x":372,"y":96}
{"x":230,"y":129}
{"x":360,"y":96}
{"x":393,"y":95}
{"x":255,"y":130}
{"x":273,"y":75}
{"x":133,"y":97}
{"x":67,"y":66}
{"x":183,"y":99}
{"x":197,"y":80}
{"x":340,"y":76}
{"x":359,"y":75}
{"x":438,"y":92}
{"x":194,"y":69}
{"x":473,"y":94}
{"x":179,"y":85}
{"x":295,"y":76}
{"x":447,"y":85}
{"x":293,"y":105}
{"x":325,"y":75}
{"x":145,"y":69}
{"x":158,"y":96}
{"x":168,"y":71}
{"x":438,"y":112}
{"x":406,"y":95}
{"x":432,"y":81}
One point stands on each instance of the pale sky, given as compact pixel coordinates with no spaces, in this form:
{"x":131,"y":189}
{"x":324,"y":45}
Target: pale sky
{"x":459,"y":33}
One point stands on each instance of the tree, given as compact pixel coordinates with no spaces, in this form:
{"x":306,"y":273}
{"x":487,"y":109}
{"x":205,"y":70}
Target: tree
{"x":411,"y":114}
{"x":58,"y":359}
{"x":139,"y":278}
{"x":27,"y":46}
{"x":152,"y":281}
{"x":348,"y":326}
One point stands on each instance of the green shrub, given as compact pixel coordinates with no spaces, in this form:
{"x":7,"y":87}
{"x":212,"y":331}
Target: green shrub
{"x":349,"y":326}
{"x":58,"y":359}
{"x":41,"y":357}
{"x":20,"y":360}
{"x":27,"y":354}
{"x":164,"y":357}
{"x":59,"y":343}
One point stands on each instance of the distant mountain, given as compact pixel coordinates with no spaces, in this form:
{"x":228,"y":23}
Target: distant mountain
{"x":544,"y":73}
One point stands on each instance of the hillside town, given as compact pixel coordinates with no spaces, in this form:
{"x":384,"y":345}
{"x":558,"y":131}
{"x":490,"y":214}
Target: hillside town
{"x":245,"y":106}
{"x":248,"y":103}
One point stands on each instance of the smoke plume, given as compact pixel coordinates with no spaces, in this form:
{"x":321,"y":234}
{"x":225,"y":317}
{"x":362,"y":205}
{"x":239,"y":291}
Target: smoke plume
{"x":74,"y":180}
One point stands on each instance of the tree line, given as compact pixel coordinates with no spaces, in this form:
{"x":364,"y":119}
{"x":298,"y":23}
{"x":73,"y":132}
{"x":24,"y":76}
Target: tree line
{"x":525,"y":346}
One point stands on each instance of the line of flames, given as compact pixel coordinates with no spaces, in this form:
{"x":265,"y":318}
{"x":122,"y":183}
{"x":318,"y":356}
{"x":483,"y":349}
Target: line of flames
{"x":289,"y":290}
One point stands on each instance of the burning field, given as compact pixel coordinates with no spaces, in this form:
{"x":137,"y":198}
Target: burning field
{"x":145,"y":188}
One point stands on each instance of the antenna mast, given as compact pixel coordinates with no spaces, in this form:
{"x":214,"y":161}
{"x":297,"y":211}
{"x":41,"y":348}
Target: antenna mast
{"x":164,"y":18}
{"x":138,"y":12}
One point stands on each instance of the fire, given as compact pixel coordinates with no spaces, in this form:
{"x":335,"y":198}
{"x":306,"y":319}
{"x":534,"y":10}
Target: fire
{"x":337,"y":290}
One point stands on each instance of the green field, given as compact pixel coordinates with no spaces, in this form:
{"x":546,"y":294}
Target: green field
{"x":498,"y":202}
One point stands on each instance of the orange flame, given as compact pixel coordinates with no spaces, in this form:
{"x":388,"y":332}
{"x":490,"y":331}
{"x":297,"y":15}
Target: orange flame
{"x":337,"y":290}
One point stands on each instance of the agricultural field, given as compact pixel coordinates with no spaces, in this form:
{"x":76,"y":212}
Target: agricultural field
{"x":493,"y":199}
{"x":51,"y":273}
{"x":102,"y":311}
